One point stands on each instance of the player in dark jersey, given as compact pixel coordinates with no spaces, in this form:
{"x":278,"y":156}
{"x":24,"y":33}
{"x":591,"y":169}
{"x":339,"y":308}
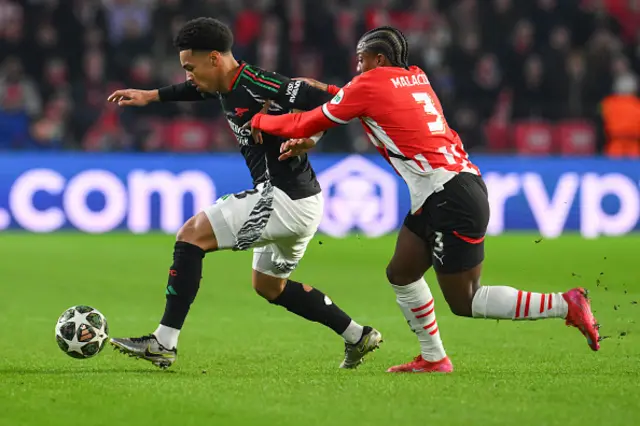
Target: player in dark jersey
{"x":277,"y":218}
{"x":449,"y":214}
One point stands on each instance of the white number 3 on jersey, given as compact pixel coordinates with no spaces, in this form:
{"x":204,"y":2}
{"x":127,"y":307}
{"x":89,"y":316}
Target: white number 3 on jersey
{"x":438,"y":245}
{"x":436,"y":127}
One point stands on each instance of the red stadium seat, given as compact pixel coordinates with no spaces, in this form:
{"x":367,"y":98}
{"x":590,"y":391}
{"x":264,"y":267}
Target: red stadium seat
{"x":533,"y":137}
{"x":575,"y":137}
{"x":155,"y":135}
{"x":498,"y":136}
{"x":188,"y":135}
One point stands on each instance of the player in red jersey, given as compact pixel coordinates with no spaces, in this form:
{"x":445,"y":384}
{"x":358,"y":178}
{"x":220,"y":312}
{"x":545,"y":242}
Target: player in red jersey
{"x":446,"y":226}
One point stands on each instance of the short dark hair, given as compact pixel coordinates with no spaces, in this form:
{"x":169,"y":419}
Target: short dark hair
{"x":388,"y":41}
{"x":204,"y":34}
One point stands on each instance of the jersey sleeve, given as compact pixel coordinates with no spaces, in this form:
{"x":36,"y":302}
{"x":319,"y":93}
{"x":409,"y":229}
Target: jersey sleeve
{"x":297,"y":125}
{"x":333,"y":89}
{"x":289,"y":94}
{"x":183,"y":92}
{"x":350,"y":102}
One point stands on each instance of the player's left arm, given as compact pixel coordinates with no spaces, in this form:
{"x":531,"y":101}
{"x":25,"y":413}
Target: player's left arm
{"x":351,"y":102}
{"x":183,"y":92}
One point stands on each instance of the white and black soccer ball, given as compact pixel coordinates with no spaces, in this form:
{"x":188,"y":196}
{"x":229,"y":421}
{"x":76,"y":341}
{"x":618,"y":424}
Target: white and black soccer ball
{"x":82,"y":331}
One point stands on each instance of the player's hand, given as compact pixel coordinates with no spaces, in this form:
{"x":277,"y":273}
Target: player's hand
{"x":314,"y":83}
{"x":295,"y":147}
{"x":134,"y":97}
{"x":257,"y":133}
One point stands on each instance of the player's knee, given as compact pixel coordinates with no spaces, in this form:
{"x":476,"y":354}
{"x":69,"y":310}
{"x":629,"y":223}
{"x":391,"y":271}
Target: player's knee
{"x":186,"y":231}
{"x":400,"y":277}
{"x":197,"y":231}
{"x":268,"y":287}
{"x":461,"y":302}
{"x":269,"y":292}
{"x":461,"y":308}
{"x":390,"y":274}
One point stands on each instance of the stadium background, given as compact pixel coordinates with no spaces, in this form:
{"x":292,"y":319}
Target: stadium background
{"x":544,"y":95}
{"x":519,"y":80}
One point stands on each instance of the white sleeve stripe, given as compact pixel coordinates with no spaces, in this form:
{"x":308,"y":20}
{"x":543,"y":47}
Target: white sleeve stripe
{"x":332,"y":117}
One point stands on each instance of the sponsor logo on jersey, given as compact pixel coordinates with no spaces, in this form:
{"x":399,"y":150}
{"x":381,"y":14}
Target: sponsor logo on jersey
{"x":359,"y":195}
{"x":242,"y":135}
{"x":292,"y":90}
{"x":410,"y":81}
{"x":338,"y":97}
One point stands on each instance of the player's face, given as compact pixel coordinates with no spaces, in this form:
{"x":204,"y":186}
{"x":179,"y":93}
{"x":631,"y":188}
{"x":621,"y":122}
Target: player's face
{"x":367,"y":61}
{"x":201,"y":69}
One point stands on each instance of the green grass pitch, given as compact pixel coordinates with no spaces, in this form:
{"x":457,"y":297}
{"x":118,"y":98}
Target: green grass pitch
{"x":245,"y":362}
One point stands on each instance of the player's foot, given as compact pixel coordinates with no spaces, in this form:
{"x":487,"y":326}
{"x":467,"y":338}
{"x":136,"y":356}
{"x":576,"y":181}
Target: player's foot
{"x":421,"y":365}
{"x":354,"y":353}
{"x":146,"y":347}
{"x":580,"y":316}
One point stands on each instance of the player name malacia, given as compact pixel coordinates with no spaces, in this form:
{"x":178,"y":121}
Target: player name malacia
{"x":408,"y":81}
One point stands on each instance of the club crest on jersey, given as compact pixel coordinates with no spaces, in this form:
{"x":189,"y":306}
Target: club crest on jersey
{"x":240,"y":111}
{"x":338,"y":97}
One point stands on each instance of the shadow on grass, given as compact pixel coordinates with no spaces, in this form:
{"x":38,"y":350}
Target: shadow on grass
{"x":18,"y":371}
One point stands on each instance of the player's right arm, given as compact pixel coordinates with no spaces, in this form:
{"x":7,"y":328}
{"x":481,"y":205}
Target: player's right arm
{"x":351,"y":102}
{"x":183,"y":92}
{"x":290,"y":94}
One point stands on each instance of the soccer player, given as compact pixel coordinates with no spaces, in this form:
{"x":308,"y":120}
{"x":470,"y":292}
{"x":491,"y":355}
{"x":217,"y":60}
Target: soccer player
{"x":277,"y":218}
{"x":446,"y":226}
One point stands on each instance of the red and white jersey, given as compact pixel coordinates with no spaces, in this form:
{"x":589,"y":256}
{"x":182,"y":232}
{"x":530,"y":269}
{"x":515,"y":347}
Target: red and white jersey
{"x":403,"y":118}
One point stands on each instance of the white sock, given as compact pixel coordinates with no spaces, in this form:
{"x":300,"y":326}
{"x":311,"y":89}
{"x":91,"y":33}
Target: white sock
{"x":417,"y":305}
{"x":500,"y":302}
{"x":167,"y":336}
{"x":353,"y":333}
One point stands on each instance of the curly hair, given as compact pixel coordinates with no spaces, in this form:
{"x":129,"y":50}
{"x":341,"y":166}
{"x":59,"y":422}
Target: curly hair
{"x":204,"y":34}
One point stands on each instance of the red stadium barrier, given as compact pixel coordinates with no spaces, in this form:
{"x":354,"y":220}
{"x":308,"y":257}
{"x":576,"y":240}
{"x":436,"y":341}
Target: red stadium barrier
{"x":498,"y":136}
{"x":533,"y":137}
{"x":574,"y":137}
{"x":188,"y":135}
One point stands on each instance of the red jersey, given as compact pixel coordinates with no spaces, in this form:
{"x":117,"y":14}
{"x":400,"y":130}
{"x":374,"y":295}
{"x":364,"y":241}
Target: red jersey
{"x":402,"y":117}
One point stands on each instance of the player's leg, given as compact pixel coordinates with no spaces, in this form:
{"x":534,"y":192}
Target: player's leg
{"x":291,"y":228}
{"x":219,"y":227}
{"x":301,"y":299}
{"x":458,"y":256}
{"x":310,"y":303}
{"x":195,"y":238}
{"x":273,"y":283}
{"x":405,"y":272}
{"x":468,"y":298}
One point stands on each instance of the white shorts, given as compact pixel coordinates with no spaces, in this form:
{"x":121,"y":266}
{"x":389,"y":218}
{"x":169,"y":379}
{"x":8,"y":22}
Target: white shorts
{"x":267,"y":220}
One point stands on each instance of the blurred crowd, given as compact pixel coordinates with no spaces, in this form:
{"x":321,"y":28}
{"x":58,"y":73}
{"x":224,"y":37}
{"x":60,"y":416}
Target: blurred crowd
{"x":493,"y":63}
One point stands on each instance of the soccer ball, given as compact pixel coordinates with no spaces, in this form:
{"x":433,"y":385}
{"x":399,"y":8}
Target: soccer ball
{"x":81,"y":331}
